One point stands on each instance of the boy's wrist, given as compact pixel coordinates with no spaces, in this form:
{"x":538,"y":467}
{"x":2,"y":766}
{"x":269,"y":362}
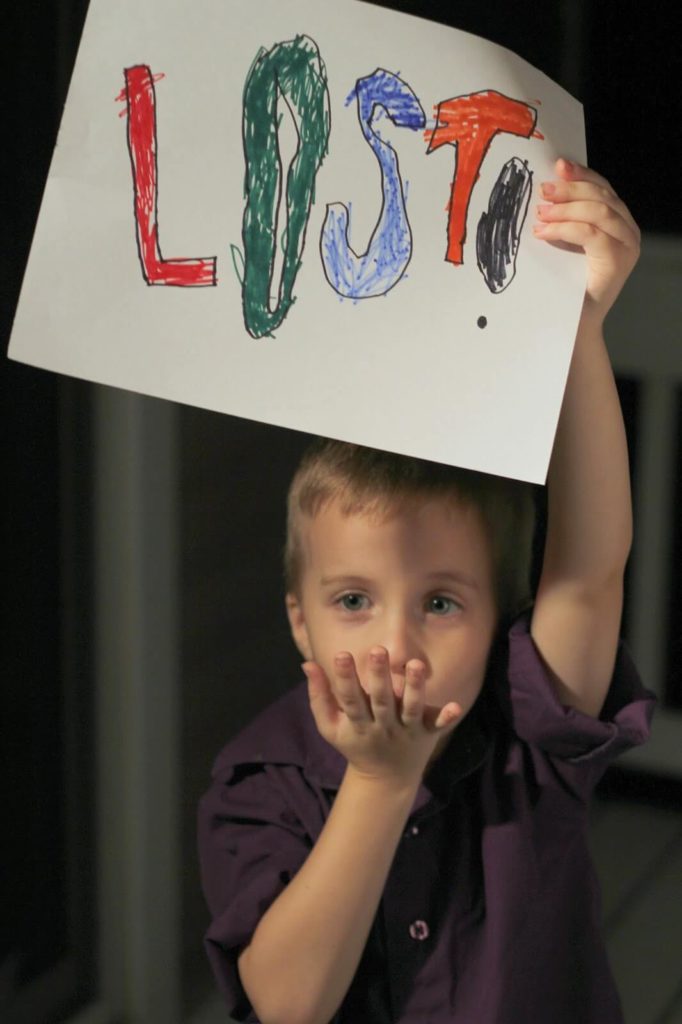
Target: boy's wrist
{"x":591,"y":321}
{"x":384,"y":786}
{"x":590,"y":333}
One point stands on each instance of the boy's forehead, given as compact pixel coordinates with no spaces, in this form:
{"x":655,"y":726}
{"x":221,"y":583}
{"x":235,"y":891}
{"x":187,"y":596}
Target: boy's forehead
{"x":338,"y":523}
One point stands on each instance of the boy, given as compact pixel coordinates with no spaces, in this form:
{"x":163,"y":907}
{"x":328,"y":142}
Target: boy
{"x":405,"y":841}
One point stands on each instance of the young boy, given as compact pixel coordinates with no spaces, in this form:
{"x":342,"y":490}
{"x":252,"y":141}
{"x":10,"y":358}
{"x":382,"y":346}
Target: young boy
{"x":402,"y":840}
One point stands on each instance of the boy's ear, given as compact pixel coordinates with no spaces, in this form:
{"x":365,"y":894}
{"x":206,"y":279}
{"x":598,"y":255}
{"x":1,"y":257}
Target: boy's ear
{"x":299,"y":630}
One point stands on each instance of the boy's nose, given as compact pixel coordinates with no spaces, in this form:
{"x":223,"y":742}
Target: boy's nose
{"x":402,"y":645}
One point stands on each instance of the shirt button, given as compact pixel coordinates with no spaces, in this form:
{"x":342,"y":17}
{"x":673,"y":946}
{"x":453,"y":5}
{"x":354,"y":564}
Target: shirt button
{"x":419,"y":930}
{"x":414,"y":831}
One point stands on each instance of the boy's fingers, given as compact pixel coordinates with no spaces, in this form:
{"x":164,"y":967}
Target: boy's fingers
{"x":413,"y":695}
{"x":600,"y":215}
{"x":315,"y":675}
{"x":591,"y":238}
{"x":319,"y":690}
{"x":560,"y":193}
{"x":449,"y":714}
{"x":572,"y":171}
{"x":348,"y":690}
{"x":380,"y":684}
{"x":575,"y":172}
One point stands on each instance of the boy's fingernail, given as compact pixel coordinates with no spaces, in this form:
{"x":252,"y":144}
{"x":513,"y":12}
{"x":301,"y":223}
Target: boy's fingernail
{"x":567,"y":165}
{"x":547,"y":188}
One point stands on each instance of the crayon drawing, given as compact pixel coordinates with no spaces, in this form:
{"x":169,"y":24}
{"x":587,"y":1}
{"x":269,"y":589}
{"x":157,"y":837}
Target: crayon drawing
{"x":140,"y":100}
{"x":499,"y":228}
{"x":385,"y":260}
{"x":470,"y":123}
{"x":295,"y":71}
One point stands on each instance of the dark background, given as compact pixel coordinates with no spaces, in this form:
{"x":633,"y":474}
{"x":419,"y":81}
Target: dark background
{"x":626,"y":71}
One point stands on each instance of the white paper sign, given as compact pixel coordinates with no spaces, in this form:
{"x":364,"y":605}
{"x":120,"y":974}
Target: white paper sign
{"x":311,"y":214}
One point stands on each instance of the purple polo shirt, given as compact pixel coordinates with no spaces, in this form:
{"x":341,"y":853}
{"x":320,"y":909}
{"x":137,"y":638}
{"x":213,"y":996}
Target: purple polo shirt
{"x":491,"y":912}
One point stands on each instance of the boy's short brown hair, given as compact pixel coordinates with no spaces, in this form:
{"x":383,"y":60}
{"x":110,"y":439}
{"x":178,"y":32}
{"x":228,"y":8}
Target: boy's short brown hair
{"x":365,"y":479}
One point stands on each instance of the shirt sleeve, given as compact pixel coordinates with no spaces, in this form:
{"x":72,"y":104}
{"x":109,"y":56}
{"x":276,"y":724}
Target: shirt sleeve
{"x":565,"y":733}
{"x":250,"y":845}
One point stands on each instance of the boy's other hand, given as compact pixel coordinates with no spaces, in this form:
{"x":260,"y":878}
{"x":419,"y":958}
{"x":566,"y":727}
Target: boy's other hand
{"x":384,"y":735}
{"x":583,"y":213}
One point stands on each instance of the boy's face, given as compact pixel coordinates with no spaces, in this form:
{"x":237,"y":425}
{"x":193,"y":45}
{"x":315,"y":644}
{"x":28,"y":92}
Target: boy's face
{"x":418,"y":582}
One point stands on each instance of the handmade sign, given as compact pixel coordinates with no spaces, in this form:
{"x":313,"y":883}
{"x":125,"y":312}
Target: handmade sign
{"x":311,"y":213}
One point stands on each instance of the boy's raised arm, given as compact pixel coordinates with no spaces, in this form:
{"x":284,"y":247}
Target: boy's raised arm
{"x":577,"y":612}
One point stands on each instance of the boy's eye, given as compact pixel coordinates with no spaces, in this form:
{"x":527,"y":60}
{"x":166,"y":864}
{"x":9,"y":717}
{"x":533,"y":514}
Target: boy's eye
{"x":353,"y":602}
{"x":440,"y":605}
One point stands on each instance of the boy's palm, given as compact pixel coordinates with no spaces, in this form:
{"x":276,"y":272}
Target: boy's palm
{"x":383,"y":734}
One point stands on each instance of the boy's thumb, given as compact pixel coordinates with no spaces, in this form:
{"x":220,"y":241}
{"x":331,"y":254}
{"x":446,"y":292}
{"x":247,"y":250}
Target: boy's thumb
{"x":306,"y":669}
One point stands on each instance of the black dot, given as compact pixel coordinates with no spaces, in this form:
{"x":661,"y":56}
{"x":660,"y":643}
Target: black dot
{"x":482,"y":321}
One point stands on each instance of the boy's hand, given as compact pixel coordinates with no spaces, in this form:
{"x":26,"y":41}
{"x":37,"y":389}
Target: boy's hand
{"x":584,"y":213}
{"x":385,"y":736}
